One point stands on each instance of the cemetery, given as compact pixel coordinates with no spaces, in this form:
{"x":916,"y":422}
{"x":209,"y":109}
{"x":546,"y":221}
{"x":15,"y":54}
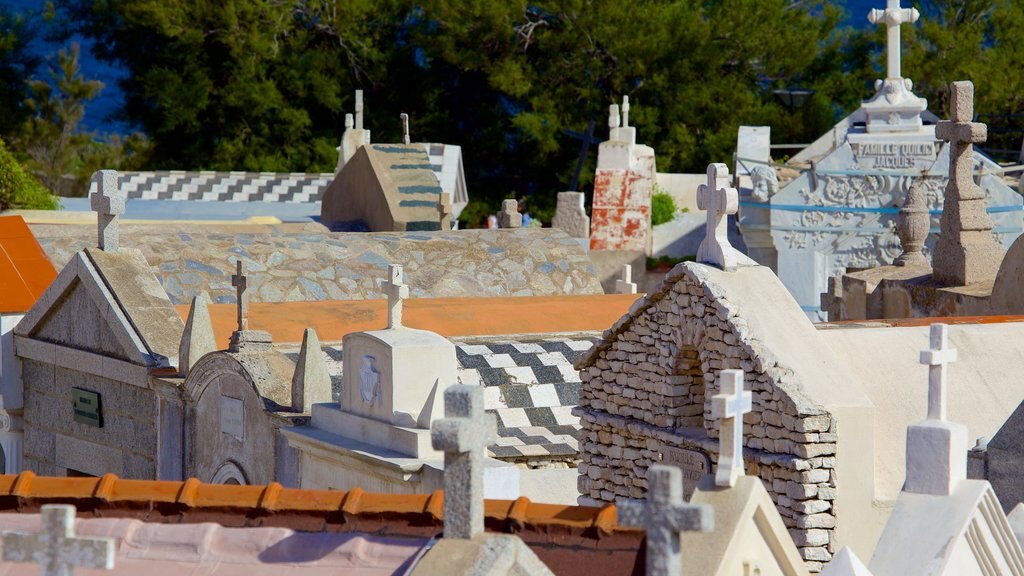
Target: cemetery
{"x":374,"y":371}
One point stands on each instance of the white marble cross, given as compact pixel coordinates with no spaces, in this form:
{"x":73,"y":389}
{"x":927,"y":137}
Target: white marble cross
{"x":359,"y":109}
{"x":893,"y":16}
{"x":625,"y":284}
{"x":108,"y":203}
{"x":56,"y":548}
{"x":240,"y":282}
{"x":937,"y":358}
{"x":664,"y":516}
{"x":730,"y":405}
{"x":463,"y":435}
{"x":396,"y":291}
{"x":625,"y":111}
{"x":719,"y":200}
{"x":405,"y":128}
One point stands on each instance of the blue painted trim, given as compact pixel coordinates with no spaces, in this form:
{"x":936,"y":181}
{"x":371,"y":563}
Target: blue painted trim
{"x":412,"y":167}
{"x":417,"y":203}
{"x":419,"y":189}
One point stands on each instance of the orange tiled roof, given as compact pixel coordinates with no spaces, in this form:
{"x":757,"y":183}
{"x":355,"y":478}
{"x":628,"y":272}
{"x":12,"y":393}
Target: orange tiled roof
{"x":449,"y":317}
{"x":25,"y":271}
{"x":570,"y":540}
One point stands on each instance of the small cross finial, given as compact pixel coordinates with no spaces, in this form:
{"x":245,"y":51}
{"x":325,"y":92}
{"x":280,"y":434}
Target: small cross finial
{"x":625,"y":284}
{"x":613,"y":119}
{"x":396,"y":291}
{"x":664,"y":516}
{"x":405,"y":127}
{"x":349,"y":122}
{"x":359,"y":109}
{"x":730,"y":405}
{"x":240,"y":282}
{"x":719,"y":200}
{"x":463,"y":435}
{"x":625,"y":111}
{"x":56,"y":548}
{"x":108,"y":203}
{"x":893,"y":16}
{"x":937,"y":358}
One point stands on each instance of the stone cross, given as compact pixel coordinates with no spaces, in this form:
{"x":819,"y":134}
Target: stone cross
{"x":396,"y":291}
{"x":892,"y":17}
{"x":966,"y":252}
{"x":937,"y":358}
{"x":349,"y":121}
{"x":56,"y":547}
{"x":463,"y":435}
{"x":405,"y":127}
{"x":359,"y":109}
{"x":664,"y":516}
{"x":509,"y":217}
{"x":730,"y":405}
{"x":108,"y":203}
{"x":613,"y":120}
{"x":719,"y":200}
{"x":625,"y":285}
{"x":240,"y":282}
{"x":625,"y":111}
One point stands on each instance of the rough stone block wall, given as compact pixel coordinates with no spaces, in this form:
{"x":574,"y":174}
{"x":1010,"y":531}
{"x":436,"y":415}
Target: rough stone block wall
{"x":650,"y":387}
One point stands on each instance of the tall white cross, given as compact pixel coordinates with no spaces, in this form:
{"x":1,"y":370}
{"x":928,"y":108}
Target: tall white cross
{"x":240,"y":282}
{"x":56,"y":548}
{"x":730,"y":405}
{"x":359,"y":109}
{"x":463,"y":435}
{"x":893,"y":16}
{"x":108,"y":203}
{"x":405,"y":128}
{"x":937,"y":358}
{"x":396,"y":291}
{"x":664,"y":516}
{"x":719,"y":200}
{"x":625,"y":111}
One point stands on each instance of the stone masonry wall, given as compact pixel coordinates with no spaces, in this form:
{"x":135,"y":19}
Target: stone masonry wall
{"x":648,"y":385}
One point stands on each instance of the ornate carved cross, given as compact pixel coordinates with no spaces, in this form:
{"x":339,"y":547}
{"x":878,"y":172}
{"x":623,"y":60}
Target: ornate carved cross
{"x":893,"y":16}
{"x":719,"y":200}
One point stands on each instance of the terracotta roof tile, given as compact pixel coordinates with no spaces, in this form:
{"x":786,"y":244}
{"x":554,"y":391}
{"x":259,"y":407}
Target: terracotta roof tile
{"x":449,"y":317}
{"x":25,"y":270}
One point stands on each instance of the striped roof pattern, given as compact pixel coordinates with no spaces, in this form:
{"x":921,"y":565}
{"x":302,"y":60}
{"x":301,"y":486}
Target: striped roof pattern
{"x":530,"y":386}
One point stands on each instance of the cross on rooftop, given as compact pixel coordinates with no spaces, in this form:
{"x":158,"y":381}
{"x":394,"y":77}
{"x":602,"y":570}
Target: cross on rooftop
{"x":730,"y":405}
{"x":625,"y":111}
{"x":625,"y":284}
{"x":719,"y":200}
{"x":937,"y":358}
{"x":56,"y":548}
{"x":108,"y":203}
{"x":405,"y":127}
{"x":893,"y":16}
{"x":396,"y":291}
{"x":965,"y":252}
{"x":444,"y":210}
{"x":463,"y":435}
{"x":240,"y":282}
{"x":664,"y":516}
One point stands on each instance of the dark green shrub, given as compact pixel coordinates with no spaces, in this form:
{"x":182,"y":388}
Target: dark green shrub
{"x":18,"y":189}
{"x":663,"y":208}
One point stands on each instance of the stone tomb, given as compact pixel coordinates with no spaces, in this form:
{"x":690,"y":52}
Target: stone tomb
{"x":839,"y":212}
{"x":378,"y":436}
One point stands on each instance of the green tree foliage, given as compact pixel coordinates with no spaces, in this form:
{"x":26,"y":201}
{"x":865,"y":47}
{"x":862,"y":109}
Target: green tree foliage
{"x":17,"y":64}
{"x":18,"y":189}
{"x":663,"y":208}
{"x":51,"y":137}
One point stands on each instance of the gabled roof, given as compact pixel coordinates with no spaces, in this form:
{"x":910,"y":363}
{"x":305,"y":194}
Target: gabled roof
{"x":25,"y":271}
{"x":963,"y":533}
{"x":744,"y":514}
{"x":123,"y":288}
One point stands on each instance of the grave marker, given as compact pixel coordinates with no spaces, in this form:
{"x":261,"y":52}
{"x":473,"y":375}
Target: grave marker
{"x":56,"y":548}
{"x":730,"y":405}
{"x":719,"y":200}
{"x":108,"y":203}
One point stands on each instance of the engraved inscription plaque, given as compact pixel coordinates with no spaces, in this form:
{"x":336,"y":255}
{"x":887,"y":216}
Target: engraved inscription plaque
{"x":694,"y":464}
{"x":232,"y":417}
